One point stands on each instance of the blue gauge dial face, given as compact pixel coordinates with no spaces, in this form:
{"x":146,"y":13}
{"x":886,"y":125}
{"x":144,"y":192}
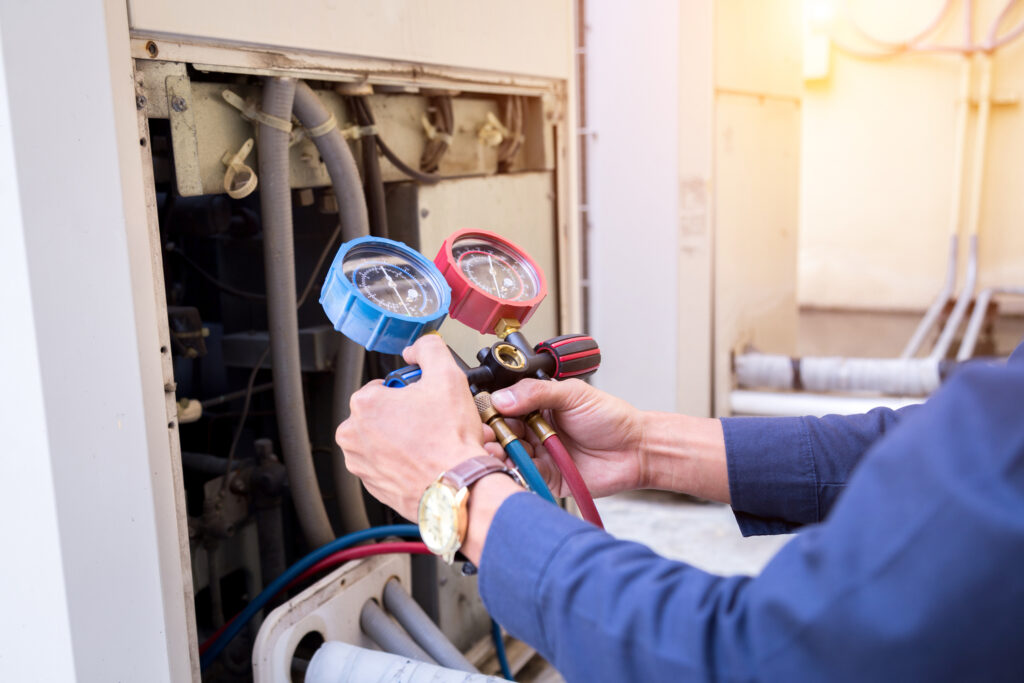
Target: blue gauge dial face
{"x":389,"y":280}
{"x":494,"y":269}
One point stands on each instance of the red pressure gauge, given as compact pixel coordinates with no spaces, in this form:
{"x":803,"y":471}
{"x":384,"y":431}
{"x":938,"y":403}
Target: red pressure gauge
{"x":491,"y":279}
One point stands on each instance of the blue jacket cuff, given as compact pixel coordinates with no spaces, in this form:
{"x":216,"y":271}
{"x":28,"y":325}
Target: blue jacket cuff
{"x":773,"y":484}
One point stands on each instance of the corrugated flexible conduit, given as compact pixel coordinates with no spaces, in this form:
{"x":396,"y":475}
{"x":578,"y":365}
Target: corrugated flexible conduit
{"x":337,"y":661}
{"x":423,"y":630}
{"x":282,"y":316}
{"x":348,"y":363}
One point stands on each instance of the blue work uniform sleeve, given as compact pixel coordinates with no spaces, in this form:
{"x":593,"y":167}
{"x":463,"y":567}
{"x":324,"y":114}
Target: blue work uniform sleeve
{"x":913,"y":576}
{"x":785,"y":472}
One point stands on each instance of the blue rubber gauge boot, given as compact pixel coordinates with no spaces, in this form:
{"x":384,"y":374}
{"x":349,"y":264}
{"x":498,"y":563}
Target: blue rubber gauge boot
{"x":383,"y":295}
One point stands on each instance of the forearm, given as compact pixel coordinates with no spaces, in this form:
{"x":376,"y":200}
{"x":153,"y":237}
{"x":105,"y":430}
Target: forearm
{"x":684,"y":454}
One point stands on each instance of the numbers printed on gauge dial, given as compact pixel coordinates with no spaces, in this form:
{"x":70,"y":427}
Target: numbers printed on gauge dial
{"x":495,"y":270}
{"x":390,"y":281}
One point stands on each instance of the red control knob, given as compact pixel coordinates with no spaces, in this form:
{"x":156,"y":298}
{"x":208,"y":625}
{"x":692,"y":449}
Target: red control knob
{"x":576,"y":355}
{"x":491,"y":278}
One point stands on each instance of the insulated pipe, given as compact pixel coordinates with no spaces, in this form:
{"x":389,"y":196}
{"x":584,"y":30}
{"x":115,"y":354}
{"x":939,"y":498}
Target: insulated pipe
{"x":348,"y":363}
{"x":336,"y":661}
{"x":382,"y":630}
{"x":974,"y":211}
{"x":771,"y":404}
{"x":894,"y":376}
{"x":960,"y":143}
{"x":422,"y":629}
{"x":282,"y":316}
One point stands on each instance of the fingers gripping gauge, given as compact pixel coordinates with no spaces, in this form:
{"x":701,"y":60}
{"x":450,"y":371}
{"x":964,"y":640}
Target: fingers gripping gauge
{"x":491,"y":279}
{"x":383,"y":294}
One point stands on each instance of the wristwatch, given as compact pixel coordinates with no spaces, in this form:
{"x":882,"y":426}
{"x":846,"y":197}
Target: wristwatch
{"x":443,"y":512}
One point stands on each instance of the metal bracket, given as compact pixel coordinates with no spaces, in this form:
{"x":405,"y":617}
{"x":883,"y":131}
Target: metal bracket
{"x":183,"y":136}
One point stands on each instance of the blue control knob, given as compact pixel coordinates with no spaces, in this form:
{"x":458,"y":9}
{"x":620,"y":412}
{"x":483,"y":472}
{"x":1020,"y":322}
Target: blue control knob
{"x":383,"y":294}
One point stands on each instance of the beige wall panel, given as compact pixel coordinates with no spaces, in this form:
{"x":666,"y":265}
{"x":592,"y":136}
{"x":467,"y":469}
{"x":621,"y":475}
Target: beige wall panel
{"x":514,"y":36}
{"x":757,"y":152}
{"x":877,"y":174}
{"x":758,"y":49}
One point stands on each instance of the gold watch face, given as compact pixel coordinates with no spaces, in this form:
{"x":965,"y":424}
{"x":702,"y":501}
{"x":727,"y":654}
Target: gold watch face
{"x":438,"y":519}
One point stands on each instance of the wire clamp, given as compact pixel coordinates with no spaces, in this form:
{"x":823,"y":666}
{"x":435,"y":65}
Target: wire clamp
{"x":239,"y":179}
{"x":324,"y":128}
{"x":433,"y":133}
{"x":251,"y":112}
{"x":493,"y":132}
{"x":355,"y":132}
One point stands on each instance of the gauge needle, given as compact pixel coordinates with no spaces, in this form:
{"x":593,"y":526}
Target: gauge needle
{"x":395,"y":288}
{"x":490,"y":265}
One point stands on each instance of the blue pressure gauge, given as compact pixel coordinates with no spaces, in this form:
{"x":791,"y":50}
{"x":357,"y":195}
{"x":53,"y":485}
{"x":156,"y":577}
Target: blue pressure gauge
{"x":383,"y":295}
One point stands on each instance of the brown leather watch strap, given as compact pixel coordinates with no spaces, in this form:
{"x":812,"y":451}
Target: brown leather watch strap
{"x":468,"y":471}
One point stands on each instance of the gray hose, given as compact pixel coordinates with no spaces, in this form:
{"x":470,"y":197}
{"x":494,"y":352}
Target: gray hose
{"x":422,"y":629}
{"x":348,"y":363}
{"x":283,"y":322}
{"x":389,"y":635}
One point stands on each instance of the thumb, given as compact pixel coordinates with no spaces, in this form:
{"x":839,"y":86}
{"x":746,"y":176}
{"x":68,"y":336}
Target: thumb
{"x":533,"y":394}
{"x":433,"y":356}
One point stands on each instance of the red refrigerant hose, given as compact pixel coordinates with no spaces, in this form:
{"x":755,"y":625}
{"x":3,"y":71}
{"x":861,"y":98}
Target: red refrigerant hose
{"x":571,"y":475}
{"x":331,"y":561}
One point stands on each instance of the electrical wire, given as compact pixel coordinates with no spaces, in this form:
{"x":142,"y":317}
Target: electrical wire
{"x":365,"y":118}
{"x":517,"y":452}
{"x":499,"y":650}
{"x":172,"y":248}
{"x":249,"y":389}
{"x":228,"y":472}
{"x":572,"y":478}
{"x":234,"y":627}
{"x":440,"y":116}
{"x":913,"y":40}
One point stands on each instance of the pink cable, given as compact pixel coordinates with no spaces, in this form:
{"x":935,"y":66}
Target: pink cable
{"x":572,"y":478}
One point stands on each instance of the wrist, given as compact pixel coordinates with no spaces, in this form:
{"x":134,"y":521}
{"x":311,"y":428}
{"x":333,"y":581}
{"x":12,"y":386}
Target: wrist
{"x":485,"y":497}
{"x":684,"y":454}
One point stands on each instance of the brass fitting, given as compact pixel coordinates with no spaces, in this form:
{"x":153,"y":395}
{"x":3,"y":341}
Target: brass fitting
{"x":485,"y":407}
{"x":540,"y":426}
{"x":505,"y":327}
{"x":493,"y":419}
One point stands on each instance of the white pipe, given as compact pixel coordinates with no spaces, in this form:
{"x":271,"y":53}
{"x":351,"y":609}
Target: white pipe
{"x":955,"y":209}
{"x":766,"y":403}
{"x":974,"y":210}
{"x":336,"y":661}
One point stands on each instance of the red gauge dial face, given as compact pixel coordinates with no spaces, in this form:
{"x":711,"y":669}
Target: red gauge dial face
{"x":495,"y":270}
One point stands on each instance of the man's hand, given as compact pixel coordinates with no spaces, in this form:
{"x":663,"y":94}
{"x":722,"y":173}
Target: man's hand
{"x":604,"y":434}
{"x":399,"y":440}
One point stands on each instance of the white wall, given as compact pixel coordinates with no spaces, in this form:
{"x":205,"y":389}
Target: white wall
{"x":876,"y":164}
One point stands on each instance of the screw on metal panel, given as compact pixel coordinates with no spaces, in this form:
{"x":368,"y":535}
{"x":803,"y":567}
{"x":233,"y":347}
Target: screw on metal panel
{"x":424,"y":213}
{"x":178,"y":103}
{"x":140,"y":102}
{"x":152,"y":49}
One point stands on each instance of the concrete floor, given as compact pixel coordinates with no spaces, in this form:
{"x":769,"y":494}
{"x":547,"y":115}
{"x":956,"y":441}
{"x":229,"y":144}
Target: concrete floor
{"x":678,"y":527}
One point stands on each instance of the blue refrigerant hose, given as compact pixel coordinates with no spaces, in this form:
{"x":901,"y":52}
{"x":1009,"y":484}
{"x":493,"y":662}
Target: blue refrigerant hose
{"x":278,"y":584}
{"x":528,"y":470}
{"x":499,"y":650}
